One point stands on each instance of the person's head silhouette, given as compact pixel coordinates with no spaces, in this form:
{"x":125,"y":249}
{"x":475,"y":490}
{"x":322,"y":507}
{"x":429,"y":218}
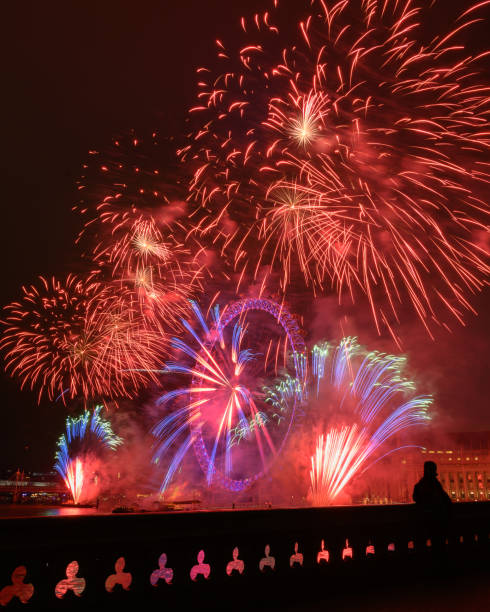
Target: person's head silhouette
{"x":430,"y":469}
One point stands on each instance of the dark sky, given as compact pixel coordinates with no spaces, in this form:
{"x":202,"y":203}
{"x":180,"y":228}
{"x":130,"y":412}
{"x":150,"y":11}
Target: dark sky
{"x":74,"y":74}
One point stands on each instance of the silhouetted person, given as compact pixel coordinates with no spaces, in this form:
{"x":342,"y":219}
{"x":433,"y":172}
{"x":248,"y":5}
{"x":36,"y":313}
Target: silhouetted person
{"x":433,"y":506}
{"x":429,"y":495}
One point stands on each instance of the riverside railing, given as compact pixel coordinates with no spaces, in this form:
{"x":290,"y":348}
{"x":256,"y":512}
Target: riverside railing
{"x":224,"y":559}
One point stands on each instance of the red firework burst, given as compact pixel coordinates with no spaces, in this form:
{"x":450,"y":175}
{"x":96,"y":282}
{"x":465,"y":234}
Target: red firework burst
{"x":135,"y":230}
{"x":354,"y":153}
{"x":77,"y":338}
{"x":155,"y":266}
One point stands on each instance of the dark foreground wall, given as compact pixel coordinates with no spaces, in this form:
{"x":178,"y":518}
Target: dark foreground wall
{"x":45,"y":546}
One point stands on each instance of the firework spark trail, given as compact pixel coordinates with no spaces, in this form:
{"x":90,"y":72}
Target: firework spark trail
{"x":147,"y":258}
{"x":129,"y":171}
{"x":46,"y":340}
{"x":210,"y":379}
{"x":135,"y":229}
{"x":160,"y":266}
{"x":85,"y":437}
{"x":79,"y":338}
{"x":74,"y":478}
{"x":337,"y":459}
{"x":224,"y":402}
{"x":364,"y":401}
{"x":353,"y":153}
{"x":319,"y":356}
{"x":378,"y":392}
{"x":138,"y":242}
{"x":129,"y":350}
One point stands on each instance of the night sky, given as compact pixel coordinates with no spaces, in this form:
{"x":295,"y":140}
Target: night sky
{"x":74,"y":74}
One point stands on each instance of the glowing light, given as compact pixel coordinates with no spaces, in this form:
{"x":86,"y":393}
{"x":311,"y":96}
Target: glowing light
{"x":85,"y":437}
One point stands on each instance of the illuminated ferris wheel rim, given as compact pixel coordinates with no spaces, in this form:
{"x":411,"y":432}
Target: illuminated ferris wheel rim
{"x":284,"y":318}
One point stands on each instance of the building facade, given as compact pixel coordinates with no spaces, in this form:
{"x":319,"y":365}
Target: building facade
{"x":463,"y":466}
